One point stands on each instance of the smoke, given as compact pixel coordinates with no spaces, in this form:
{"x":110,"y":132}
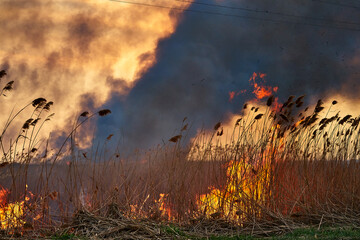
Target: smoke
{"x":77,"y":53}
{"x":151,"y":72}
{"x":210,"y":55}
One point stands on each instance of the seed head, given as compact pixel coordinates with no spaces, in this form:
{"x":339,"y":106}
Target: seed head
{"x":48,"y":105}
{"x":175,"y":138}
{"x":38,"y":102}
{"x":270,"y":100}
{"x":104,"y":112}
{"x":217,"y":126}
{"x":257,"y":117}
{"x":2,"y":73}
{"x":84,"y":114}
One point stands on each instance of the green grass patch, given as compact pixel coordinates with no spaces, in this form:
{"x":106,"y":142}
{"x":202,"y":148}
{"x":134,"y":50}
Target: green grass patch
{"x":326,"y":233}
{"x":343,"y":233}
{"x":66,"y":237}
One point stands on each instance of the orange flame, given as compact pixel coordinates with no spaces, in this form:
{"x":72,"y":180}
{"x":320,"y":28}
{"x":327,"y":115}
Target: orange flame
{"x":245,"y":178}
{"x":260,"y":90}
{"x":257,"y":80}
{"x":163,"y":207}
{"x":231,"y":96}
{"x":276,"y":106}
{"x":3,"y":196}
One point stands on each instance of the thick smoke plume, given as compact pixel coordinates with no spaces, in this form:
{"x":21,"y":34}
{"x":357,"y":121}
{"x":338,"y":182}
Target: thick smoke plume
{"x":77,"y":53}
{"x":211,"y":55}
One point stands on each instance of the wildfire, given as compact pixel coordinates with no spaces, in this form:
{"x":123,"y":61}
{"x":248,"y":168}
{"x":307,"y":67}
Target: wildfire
{"x":160,"y":210}
{"x":247,"y":178}
{"x":248,"y":174}
{"x":244,"y":181}
{"x":11,"y":214}
{"x":232,"y":94}
{"x":163,"y":207}
{"x":260,"y":90}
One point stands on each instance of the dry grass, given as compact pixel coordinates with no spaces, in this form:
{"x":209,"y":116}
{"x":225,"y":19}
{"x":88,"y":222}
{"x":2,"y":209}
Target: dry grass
{"x":275,"y":172}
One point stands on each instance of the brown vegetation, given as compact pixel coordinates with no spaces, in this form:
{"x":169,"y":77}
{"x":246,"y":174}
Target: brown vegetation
{"x":277,"y":171}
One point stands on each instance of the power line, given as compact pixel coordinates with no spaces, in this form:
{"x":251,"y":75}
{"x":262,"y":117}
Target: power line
{"x":269,"y":12}
{"x":237,"y":16}
{"x":338,"y":4}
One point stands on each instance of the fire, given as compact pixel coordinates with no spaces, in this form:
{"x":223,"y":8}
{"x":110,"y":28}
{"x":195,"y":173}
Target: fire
{"x":260,"y":90}
{"x":248,"y":174}
{"x":11,"y":214}
{"x":163,"y":207}
{"x":260,"y":137}
{"x":231,"y":95}
{"x":247,"y":177}
{"x":200,"y":151}
{"x":244,"y":181}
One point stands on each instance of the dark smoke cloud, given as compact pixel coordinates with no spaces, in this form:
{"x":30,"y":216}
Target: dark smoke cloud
{"x":209,"y":56}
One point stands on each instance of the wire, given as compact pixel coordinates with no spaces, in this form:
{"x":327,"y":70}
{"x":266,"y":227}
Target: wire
{"x":269,"y":12}
{"x":237,"y":16}
{"x":338,"y":4}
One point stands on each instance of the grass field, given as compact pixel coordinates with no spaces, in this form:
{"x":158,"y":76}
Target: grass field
{"x":266,"y":173}
{"x":298,"y":234}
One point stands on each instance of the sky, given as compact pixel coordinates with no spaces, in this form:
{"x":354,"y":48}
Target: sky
{"x":154,"y":65}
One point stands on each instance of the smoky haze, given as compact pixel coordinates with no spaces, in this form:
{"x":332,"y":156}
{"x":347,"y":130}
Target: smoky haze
{"x":210,"y":55}
{"x":76,"y":53}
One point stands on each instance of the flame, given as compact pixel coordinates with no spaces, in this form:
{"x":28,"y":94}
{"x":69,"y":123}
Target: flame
{"x":276,"y":106}
{"x":299,"y":122}
{"x":163,"y":207}
{"x":246,"y":178}
{"x":231,"y":95}
{"x":3,"y":196}
{"x":243,"y":182}
{"x":11,"y":214}
{"x":77,"y":54}
{"x":261,"y":91}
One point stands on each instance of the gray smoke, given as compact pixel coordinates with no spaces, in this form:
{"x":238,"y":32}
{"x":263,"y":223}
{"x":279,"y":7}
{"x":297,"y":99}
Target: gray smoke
{"x":210,"y":55}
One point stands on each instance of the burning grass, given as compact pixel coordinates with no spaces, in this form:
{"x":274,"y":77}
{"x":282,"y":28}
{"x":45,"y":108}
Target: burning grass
{"x":269,"y":170}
